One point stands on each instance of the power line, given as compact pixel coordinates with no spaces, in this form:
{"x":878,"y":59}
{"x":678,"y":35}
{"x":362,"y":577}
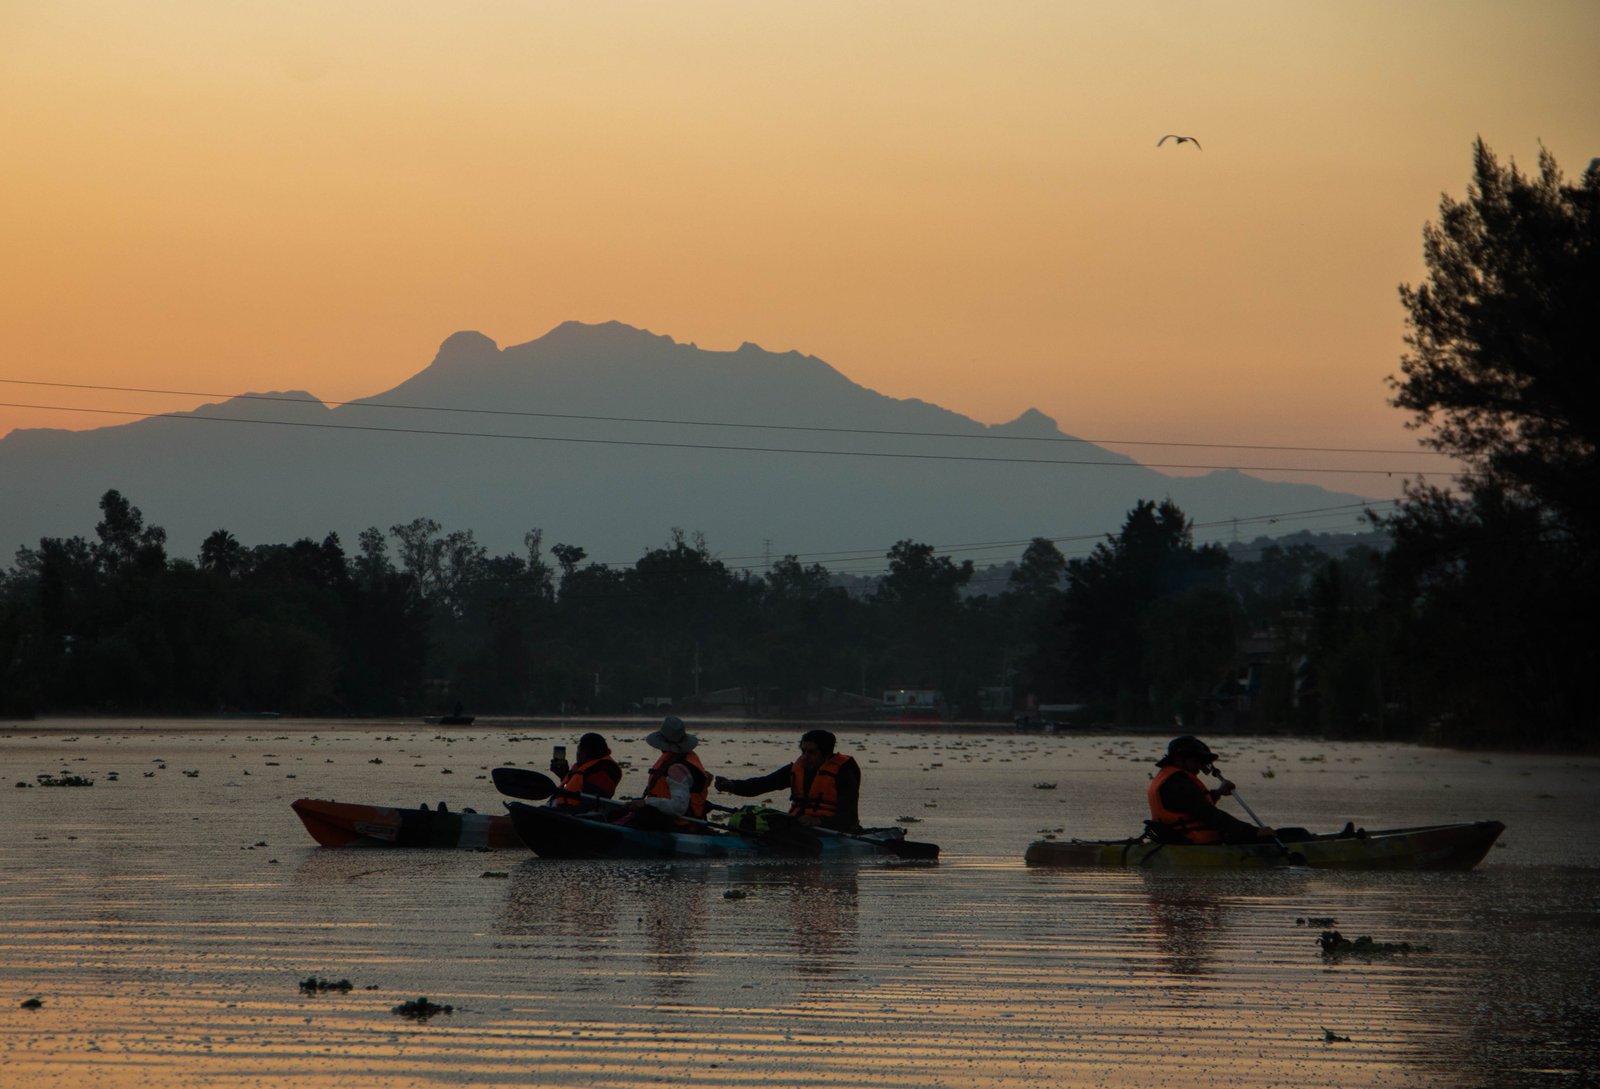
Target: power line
{"x":708,"y":423}
{"x":436,"y":432}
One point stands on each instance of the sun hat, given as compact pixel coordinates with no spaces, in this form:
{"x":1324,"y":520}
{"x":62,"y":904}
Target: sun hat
{"x":672,"y":737}
{"x":1187,"y":745}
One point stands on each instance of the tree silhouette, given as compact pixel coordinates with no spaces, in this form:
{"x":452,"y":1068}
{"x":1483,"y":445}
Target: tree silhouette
{"x":1503,"y":364}
{"x":1103,"y":626}
{"x":1493,"y":589}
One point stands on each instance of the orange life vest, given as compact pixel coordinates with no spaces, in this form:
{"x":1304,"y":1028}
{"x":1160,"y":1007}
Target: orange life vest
{"x":699,"y":787}
{"x":1182,"y":823}
{"x":822,"y":798}
{"x":583,"y":780}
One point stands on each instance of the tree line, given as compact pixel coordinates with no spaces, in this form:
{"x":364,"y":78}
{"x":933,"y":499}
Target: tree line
{"x":1472,"y":627}
{"x":418,"y":618}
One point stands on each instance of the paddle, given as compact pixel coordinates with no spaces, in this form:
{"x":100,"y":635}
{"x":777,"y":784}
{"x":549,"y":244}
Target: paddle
{"x":1295,"y":858}
{"x":900,"y":848}
{"x":533,"y":786}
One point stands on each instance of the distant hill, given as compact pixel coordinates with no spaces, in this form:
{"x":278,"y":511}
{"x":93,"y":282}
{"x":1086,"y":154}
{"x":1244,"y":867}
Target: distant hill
{"x":608,"y":437}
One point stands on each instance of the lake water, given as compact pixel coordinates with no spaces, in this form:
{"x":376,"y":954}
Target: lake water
{"x":165,"y":919}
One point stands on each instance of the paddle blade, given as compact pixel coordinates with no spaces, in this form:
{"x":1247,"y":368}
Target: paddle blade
{"x":522,"y":783}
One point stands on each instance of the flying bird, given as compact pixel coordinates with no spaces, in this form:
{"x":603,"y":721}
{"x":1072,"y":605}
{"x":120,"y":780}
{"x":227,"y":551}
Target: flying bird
{"x":1180,"y":139}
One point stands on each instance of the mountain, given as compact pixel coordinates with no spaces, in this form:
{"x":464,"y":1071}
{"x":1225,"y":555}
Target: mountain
{"x":608,"y":437}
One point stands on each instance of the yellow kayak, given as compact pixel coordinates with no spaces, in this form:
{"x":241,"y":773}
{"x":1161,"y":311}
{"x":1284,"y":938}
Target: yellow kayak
{"x":1434,"y":847}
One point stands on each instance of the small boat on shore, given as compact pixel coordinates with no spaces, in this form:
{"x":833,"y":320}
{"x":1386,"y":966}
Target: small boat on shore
{"x":349,"y":824}
{"x":1433,"y":847}
{"x":554,"y":833}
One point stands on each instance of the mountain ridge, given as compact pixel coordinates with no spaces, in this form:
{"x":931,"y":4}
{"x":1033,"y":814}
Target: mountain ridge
{"x":611,"y":437}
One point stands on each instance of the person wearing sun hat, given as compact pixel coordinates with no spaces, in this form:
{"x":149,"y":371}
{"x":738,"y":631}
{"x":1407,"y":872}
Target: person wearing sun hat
{"x":677,"y":785}
{"x":1184,"y":808}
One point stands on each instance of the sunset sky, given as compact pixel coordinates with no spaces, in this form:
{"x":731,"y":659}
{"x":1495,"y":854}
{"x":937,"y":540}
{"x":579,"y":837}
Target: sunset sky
{"x":958,"y":202}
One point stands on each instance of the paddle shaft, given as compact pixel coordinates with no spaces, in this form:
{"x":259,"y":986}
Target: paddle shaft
{"x":533,"y":786}
{"x":1236,"y":797}
{"x":1294,"y":856}
{"x":1259,"y":822}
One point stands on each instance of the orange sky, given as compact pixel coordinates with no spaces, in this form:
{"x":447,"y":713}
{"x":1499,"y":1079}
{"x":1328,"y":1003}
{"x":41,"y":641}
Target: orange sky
{"x":952,"y":201}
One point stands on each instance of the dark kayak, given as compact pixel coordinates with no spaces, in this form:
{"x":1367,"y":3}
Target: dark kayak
{"x":1435,"y":847}
{"x":554,"y":833}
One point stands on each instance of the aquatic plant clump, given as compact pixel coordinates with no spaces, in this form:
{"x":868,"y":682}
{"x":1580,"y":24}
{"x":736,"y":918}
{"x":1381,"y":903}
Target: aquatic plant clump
{"x":63,"y":780}
{"x":1335,"y":944}
{"x":313,"y":985}
{"x":421,"y":1009}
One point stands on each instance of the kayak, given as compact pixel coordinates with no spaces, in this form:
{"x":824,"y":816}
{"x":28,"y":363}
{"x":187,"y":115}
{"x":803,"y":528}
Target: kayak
{"x":554,"y":833}
{"x":347,"y":824}
{"x":1434,"y":847}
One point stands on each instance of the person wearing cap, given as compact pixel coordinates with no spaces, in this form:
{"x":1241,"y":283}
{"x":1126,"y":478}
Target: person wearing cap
{"x":595,"y":773}
{"x":824,"y":786}
{"x":678,"y":785}
{"x":1185,"y":807}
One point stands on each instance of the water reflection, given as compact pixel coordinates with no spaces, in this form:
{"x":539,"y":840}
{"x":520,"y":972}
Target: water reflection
{"x":1187,"y":922}
{"x":1197,"y":920}
{"x":673,"y":900}
{"x":820,"y":911}
{"x":798,"y":921}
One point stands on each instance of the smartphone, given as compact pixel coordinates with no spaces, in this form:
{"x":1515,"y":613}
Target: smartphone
{"x":560,"y":753}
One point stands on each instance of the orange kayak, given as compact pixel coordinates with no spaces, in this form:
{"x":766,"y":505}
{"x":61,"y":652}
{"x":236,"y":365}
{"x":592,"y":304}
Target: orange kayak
{"x":348,"y":824}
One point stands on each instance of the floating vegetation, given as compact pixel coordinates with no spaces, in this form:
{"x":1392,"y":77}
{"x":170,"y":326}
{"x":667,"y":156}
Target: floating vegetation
{"x":421,"y":1009}
{"x":313,"y":985}
{"x":64,"y":780}
{"x":494,"y":873}
{"x":195,"y":774}
{"x":32,"y":1004}
{"x":1317,"y":920}
{"x":908,"y":820}
{"x":23,"y":784}
{"x":1335,"y":944}
{"x":734,"y":894}
{"x":1044,"y":786}
{"x":1331,"y":1037}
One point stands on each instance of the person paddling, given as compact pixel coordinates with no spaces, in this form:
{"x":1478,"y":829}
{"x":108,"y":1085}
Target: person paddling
{"x":824,"y":786}
{"x":595,"y":774}
{"x":1184,"y":808}
{"x":678,"y":785}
